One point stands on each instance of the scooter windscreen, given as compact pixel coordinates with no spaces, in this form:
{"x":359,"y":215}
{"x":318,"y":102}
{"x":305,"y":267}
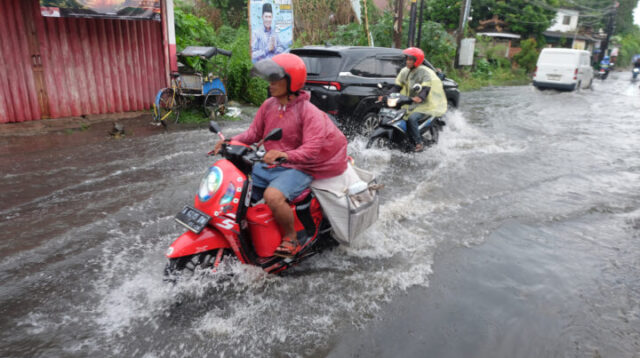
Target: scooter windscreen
{"x":268,"y":70}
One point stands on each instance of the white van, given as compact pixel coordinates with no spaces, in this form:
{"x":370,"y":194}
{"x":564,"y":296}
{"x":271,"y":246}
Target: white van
{"x":563,"y":69}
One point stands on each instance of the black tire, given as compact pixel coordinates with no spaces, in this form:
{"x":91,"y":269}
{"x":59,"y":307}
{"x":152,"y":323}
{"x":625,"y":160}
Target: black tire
{"x":168,"y":108}
{"x":378,"y":142}
{"x":369,"y":123}
{"x":215,"y":104}
{"x":188,"y":265}
{"x":431,"y":136}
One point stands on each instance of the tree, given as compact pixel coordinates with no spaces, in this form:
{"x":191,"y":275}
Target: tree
{"x":529,"y":18}
{"x":445,"y":12}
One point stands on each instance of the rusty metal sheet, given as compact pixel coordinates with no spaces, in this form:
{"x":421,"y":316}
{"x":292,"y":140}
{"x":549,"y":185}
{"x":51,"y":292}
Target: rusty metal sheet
{"x":89,"y":66}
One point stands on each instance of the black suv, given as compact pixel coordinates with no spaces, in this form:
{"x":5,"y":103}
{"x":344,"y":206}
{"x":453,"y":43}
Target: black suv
{"x":343,"y":80}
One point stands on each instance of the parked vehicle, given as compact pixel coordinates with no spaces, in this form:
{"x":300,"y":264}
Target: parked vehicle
{"x":342,"y":80}
{"x":563,"y":69}
{"x":392,"y":130}
{"x":193,"y":85}
{"x":224,"y":221}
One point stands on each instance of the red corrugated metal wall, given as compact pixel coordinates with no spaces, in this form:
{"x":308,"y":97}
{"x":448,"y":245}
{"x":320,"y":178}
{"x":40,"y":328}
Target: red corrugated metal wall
{"x":89,"y":66}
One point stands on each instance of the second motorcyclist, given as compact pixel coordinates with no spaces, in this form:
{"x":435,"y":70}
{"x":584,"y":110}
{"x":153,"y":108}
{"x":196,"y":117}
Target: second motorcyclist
{"x":430,"y":100}
{"x":313,"y":147}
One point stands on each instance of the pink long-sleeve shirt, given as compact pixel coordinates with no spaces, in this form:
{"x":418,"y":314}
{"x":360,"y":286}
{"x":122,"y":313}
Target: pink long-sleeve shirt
{"x":313,"y":143}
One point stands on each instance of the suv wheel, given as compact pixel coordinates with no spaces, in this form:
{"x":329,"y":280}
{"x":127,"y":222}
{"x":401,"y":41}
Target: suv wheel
{"x":370,"y":121}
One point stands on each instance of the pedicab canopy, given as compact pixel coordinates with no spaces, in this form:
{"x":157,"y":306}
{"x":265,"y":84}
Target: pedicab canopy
{"x":110,"y":9}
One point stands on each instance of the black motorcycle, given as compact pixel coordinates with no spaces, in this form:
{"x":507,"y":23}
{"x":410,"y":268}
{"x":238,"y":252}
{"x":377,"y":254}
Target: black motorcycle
{"x":392,"y":127}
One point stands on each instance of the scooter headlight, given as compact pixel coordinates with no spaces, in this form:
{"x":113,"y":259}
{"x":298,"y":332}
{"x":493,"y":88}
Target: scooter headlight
{"x":210,"y":183}
{"x":392,"y":102}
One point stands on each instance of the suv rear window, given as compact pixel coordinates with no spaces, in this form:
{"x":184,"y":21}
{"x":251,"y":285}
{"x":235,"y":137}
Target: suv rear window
{"x":377,"y":67}
{"x":321,"y":65}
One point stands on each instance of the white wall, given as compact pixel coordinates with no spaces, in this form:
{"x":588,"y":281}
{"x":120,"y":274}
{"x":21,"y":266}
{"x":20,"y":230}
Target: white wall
{"x":558,"y":24}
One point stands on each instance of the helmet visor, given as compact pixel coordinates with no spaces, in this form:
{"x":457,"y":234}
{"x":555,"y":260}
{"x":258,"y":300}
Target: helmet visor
{"x":268,"y":70}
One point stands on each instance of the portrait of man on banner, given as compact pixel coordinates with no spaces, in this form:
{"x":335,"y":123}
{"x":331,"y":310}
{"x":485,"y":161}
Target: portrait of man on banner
{"x":271,"y":28}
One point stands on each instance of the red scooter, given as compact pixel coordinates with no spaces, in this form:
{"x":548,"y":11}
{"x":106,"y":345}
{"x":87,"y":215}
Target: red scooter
{"x":224,"y":221}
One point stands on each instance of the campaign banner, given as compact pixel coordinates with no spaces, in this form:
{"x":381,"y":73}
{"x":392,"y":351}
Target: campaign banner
{"x":271,"y":24}
{"x":110,"y":9}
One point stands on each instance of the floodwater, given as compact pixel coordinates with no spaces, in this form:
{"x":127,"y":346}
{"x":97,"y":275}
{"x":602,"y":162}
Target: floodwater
{"x":517,"y":236}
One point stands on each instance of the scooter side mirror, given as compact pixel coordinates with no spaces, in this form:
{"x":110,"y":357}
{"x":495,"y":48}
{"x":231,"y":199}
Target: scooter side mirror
{"x":214,"y":127}
{"x":380,"y":85}
{"x":275,"y":134}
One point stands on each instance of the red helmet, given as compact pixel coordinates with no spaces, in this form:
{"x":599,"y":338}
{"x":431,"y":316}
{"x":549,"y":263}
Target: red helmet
{"x":284,"y":65}
{"x":416,"y":53}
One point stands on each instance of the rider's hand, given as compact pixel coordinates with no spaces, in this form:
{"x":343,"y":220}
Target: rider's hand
{"x":218,"y":146}
{"x":417,"y":99}
{"x":273,"y":155}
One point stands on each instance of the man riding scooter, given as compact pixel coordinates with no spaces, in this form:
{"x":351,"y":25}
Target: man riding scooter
{"x":429,"y":101}
{"x":312,"y":146}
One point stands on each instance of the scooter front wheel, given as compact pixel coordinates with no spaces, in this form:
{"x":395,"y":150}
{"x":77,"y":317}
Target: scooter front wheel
{"x":378,"y":142}
{"x":188,"y":265}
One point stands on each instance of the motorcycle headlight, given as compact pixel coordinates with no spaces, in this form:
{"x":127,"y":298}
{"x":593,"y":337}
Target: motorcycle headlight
{"x":392,"y":102}
{"x":210,"y":183}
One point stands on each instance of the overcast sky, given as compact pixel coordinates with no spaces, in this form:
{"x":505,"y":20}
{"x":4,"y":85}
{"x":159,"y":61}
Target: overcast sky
{"x":636,"y":15}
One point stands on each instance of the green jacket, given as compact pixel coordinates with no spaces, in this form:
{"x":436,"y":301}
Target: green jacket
{"x":436,"y":102}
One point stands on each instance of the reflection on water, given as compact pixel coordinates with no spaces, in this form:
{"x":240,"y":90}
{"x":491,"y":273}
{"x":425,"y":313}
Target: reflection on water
{"x":543,"y":186}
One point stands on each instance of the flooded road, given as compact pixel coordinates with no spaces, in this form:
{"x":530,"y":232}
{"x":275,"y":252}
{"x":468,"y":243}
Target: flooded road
{"x":517,"y":236}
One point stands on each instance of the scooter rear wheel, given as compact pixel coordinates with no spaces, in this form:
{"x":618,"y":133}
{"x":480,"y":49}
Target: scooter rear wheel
{"x":431,"y":136}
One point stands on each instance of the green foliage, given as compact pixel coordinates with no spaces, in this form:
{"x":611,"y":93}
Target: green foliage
{"x":528,"y":55}
{"x":350,"y":35}
{"x":446,"y":13}
{"x":629,"y":46}
{"x":240,"y":84}
{"x":524,"y":17}
{"x":439,"y":47}
{"x":382,"y":30}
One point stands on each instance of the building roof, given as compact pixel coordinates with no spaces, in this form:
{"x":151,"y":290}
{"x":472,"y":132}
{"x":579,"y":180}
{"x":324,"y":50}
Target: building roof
{"x":569,"y":35}
{"x":506,"y":35}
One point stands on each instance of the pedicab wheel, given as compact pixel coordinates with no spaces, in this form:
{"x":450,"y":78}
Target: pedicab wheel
{"x":370,"y":121}
{"x":168,"y":107}
{"x":215,"y":104}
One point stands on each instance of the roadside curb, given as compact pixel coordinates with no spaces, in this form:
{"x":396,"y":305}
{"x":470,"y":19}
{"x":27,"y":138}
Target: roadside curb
{"x":36,"y":127}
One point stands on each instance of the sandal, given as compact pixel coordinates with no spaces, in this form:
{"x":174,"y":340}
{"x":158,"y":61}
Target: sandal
{"x":288,"y":248}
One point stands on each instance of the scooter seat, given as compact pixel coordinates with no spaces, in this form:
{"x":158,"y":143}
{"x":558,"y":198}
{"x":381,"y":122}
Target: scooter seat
{"x":298,"y":199}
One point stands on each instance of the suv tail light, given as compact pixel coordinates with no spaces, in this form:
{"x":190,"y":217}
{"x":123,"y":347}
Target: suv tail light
{"x":331,"y":86}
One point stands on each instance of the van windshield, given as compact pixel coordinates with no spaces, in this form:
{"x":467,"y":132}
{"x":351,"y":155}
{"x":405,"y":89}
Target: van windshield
{"x":557,"y":58}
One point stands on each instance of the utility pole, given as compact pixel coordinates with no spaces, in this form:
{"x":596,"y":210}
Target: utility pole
{"x":366,"y":24}
{"x":412,"y":24}
{"x":610,"y":27}
{"x":397,"y":23}
{"x":420,"y":21}
{"x":464,"y":14}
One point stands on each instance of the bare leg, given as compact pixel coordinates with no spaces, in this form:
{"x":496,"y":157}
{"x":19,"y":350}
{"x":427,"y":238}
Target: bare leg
{"x":281,"y":211}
